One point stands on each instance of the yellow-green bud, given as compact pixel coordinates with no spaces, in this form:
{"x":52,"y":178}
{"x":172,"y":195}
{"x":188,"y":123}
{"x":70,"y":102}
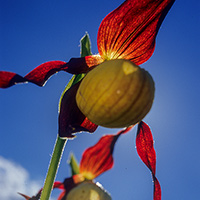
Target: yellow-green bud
{"x":88,"y":190}
{"x":116,"y":94}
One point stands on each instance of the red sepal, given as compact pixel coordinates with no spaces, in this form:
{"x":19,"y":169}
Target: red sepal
{"x":98,"y":158}
{"x":129,"y":31}
{"x":146,"y":151}
{"x":71,"y":119}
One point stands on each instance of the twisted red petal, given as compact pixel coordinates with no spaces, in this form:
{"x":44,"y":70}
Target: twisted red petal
{"x":43,"y":72}
{"x":157,"y":189}
{"x":98,"y":158}
{"x":146,"y":151}
{"x":71,"y":119}
{"x":37,"y":76}
{"x":129,"y":31}
{"x":8,"y":79}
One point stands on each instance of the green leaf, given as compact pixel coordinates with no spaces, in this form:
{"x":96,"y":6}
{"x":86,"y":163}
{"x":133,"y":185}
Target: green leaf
{"x":85,"y":46}
{"x":73,"y":164}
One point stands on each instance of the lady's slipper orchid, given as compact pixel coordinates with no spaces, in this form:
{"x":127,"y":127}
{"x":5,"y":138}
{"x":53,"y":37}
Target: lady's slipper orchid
{"x":128,"y":32}
{"x":98,"y":159}
{"x":95,"y":160}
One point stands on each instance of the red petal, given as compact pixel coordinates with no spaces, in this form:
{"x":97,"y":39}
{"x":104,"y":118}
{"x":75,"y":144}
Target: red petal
{"x":98,"y":158}
{"x":8,"y":79}
{"x":71,"y":119}
{"x":129,"y":31}
{"x":37,"y":76}
{"x":146,"y":151}
{"x":144,"y":144}
{"x":157,"y":189}
{"x":43,"y":72}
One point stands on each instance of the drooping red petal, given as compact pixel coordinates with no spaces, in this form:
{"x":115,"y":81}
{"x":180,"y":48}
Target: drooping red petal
{"x":43,"y":72}
{"x":129,"y":31}
{"x":98,"y":158}
{"x":71,"y":119}
{"x":144,"y":144}
{"x":146,"y":151}
{"x":157,"y":189}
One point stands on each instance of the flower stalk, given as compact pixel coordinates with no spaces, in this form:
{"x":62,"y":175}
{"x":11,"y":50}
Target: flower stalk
{"x":53,"y":167}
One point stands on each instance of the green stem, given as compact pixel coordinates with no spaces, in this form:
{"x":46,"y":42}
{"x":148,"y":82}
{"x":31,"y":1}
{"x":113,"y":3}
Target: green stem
{"x":58,"y":150}
{"x":53,"y":168}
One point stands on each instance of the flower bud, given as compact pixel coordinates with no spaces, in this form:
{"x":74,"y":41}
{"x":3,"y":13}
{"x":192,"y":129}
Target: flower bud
{"x":88,"y":190}
{"x":116,"y":94}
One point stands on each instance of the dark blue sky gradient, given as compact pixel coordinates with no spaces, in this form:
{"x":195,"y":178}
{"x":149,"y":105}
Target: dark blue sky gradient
{"x":36,"y":31}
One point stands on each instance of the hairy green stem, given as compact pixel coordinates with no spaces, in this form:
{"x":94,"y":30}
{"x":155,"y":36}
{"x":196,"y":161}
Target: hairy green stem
{"x":58,"y":150}
{"x":53,"y":168}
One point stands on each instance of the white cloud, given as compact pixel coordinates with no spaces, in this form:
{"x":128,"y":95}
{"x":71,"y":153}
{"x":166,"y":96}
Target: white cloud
{"x":14,"y":178}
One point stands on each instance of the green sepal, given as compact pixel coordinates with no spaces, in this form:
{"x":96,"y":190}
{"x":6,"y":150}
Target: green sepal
{"x":73,"y":164}
{"x":85,"y":51}
{"x":85,"y":46}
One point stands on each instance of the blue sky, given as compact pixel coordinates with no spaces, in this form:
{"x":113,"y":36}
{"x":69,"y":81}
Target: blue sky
{"x":36,"y":31}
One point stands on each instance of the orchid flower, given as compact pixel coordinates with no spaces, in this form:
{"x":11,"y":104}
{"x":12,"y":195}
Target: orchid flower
{"x":95,"y":161}
{"x":128,"y":32}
